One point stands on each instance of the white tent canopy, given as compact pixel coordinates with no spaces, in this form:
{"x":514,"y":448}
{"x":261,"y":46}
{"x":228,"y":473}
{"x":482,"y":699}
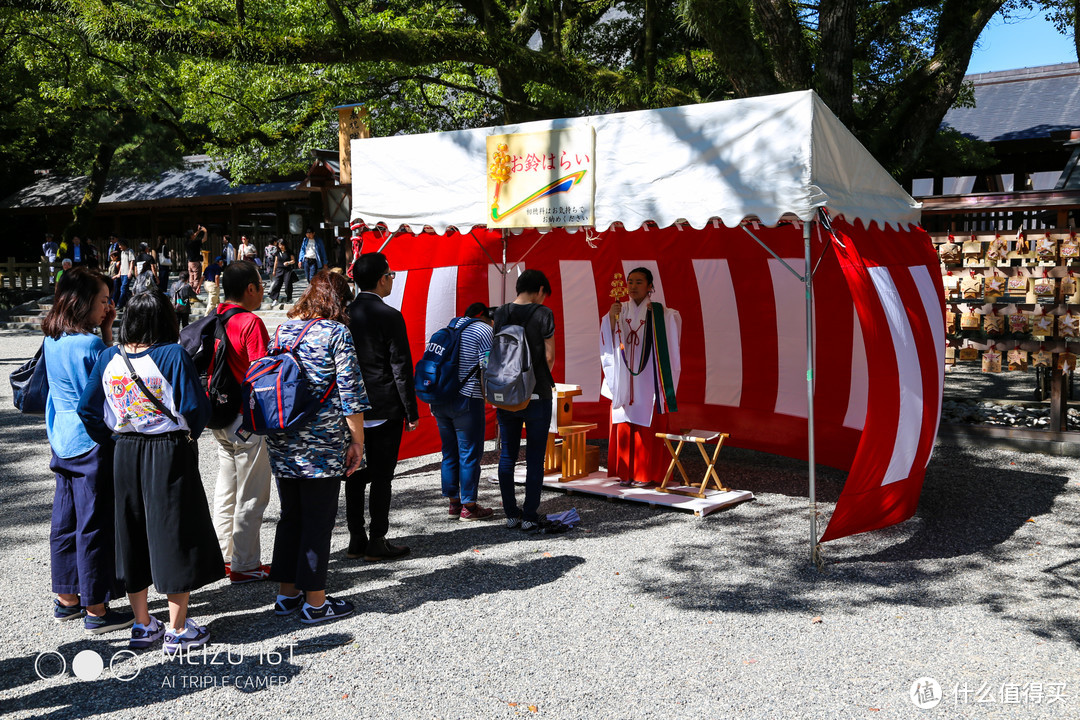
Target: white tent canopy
{"x":759,"y":157}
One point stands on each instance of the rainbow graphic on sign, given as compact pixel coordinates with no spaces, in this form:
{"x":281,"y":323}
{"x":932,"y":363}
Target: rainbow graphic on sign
{"x":559,"y":186}
{"x":541,"y":179}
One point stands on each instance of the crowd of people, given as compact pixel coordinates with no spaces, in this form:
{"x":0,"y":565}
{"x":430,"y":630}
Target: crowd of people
{"x":125,"y":263}
{"x":123,"y":421}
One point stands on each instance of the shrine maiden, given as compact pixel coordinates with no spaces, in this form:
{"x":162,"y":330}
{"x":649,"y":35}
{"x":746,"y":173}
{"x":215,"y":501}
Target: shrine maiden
{"x":639,"y":352}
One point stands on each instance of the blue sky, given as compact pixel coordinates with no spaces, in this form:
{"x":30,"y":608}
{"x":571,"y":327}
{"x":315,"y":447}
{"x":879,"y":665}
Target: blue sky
{"x":1027,"y":40}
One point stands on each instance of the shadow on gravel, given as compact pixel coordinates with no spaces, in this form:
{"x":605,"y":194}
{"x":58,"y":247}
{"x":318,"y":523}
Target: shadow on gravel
{"x":20,"y":505}
{"x":467,"y":579}
{"x":149,"y":679}
{"x":968,"y":543}
{"x":973,"y":513}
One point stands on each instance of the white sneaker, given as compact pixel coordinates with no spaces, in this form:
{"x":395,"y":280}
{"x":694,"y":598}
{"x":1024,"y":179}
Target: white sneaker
{"x":193,"y":635}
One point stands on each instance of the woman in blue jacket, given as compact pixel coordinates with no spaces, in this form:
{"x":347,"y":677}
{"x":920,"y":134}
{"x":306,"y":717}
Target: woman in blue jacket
{"x":82,"y":537}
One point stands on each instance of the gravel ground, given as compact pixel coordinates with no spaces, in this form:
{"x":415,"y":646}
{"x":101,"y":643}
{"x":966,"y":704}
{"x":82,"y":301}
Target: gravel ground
{"x":639,"y":613}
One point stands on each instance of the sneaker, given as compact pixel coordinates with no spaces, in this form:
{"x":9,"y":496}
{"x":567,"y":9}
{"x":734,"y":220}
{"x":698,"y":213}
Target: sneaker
{"x":530,"y":525}
{"x":379,"y":550}
{"x":286,"y":605}
{"x":239,"y":577}
{"x":332,"y":609}
{"x":111,"y":620}
{"x":62,"y":612}
{"x":143,"y":636}
{"x":192,"y":636}
{"x":476,"y":512}
{"x":455,"y":508}
{"x":513,"y":523}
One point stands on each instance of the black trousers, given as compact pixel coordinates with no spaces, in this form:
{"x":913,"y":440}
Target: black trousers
{"x":302,"y":540}
{"x":275,"y":288}
{"x":381,"y":444}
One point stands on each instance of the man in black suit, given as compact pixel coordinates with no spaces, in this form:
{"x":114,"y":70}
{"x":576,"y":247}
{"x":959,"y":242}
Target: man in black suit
{"x":382,"y":347}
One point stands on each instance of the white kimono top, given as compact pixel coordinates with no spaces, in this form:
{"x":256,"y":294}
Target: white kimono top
{"x":618,"y":379}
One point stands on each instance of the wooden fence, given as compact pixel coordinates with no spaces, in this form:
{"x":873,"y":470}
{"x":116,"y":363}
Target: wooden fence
{"x":25,"y":275}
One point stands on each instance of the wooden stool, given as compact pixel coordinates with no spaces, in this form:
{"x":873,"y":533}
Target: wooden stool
{"x":573,"y":450}
{"x":700,"y":438}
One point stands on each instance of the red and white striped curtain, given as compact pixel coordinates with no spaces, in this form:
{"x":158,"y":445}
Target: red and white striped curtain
{"x":878,"y":327}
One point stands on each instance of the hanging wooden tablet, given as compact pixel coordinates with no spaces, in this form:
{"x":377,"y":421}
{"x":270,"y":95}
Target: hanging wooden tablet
{"x":1046,"y":250}
{"x":1044,"y":286}
{"x":952,"y":286}
{"x":1018,"y":323}
{"x":994,"y":324}
{"x":973,"y":253}
{"x":950,"y":356}
{"x":1070,"y":247}
{"x":1041,"y":358}
{"x":1068,"y":325}
{"x":1042,"y":325}
{"x":971,"y":287}
{"x":994,"y":287}
{"x":1018,"y":360}
{"x":997,"y":250}
{"x":950,"y":253}
{"x":1066,"y":362}
{"x":969,"y":321}
{"x":1067,"y":288}
{"x":991,"y":361}
{"x":950,"y":322}
{"x":1018,"y":285}
{"x":1022,"y":250}
{"x":968,"y":353}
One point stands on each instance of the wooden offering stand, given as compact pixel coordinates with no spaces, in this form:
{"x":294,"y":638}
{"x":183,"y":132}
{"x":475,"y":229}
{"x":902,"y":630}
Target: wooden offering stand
{"x":567,"y":453}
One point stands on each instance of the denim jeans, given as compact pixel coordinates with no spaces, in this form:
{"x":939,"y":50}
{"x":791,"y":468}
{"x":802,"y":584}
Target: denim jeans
{"x":461,"y":429}
{"x":311,"y":267}
{"x":536,"y":418}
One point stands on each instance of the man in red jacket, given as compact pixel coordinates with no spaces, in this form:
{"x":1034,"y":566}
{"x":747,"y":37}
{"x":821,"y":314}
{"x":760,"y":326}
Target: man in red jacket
{"x":243,"y":484}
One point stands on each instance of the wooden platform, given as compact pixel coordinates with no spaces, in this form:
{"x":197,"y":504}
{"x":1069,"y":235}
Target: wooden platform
{"x":598,"y":483}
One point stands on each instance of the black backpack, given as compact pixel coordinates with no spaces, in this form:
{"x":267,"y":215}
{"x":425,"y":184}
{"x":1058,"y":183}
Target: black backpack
{"x":208,"y":344}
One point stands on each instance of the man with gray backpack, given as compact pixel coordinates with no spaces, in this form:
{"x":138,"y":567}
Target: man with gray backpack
{"x":518,"y":382}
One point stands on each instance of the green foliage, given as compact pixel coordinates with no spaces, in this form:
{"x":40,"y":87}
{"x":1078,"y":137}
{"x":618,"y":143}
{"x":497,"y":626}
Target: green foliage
{"x":255,"y":84}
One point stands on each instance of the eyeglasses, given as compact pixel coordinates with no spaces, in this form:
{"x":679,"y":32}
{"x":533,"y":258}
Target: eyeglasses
{"x":390,"y":274}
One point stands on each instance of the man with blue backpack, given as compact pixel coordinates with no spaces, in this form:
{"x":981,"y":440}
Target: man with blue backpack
{"x":242,"y":491}
{"x":448,"y":379}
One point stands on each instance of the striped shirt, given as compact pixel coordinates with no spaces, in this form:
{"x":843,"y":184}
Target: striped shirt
{"x":475,"y":344}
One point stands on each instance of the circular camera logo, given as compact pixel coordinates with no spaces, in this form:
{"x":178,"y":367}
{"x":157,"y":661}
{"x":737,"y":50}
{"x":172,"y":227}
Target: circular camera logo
{"x":87,"y":665}
{"x":925,"y":693}
{"x":49,"y":665}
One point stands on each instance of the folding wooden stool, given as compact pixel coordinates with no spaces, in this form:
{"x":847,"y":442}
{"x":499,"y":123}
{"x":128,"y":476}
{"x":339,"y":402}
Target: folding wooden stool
{"x":700,"y":438}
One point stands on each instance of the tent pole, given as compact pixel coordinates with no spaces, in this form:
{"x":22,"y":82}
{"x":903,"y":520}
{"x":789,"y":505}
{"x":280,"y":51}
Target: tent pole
{"x":808,"y":278}
{"x":505,"y":269}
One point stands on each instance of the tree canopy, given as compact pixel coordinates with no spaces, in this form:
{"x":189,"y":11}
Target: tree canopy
{"x":254,"y":83}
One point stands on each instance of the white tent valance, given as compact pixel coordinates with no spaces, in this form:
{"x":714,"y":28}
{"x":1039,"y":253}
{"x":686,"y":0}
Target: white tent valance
{"x":762,"y":157}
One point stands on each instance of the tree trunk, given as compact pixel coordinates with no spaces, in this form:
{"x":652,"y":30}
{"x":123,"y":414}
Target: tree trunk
{"x":834,"y":74}
{"x":922,"y":99}
{"x":83,"y":212}
{"x":785,"y":38}
{"x":649,"y":54}
{"x":726,"y":29}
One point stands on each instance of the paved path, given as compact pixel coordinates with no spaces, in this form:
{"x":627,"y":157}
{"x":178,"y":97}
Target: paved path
{"x":640,"y":613}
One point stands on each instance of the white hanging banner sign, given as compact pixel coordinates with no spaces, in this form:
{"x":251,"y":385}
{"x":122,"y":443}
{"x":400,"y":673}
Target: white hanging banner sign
{"x":542,"y":179}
